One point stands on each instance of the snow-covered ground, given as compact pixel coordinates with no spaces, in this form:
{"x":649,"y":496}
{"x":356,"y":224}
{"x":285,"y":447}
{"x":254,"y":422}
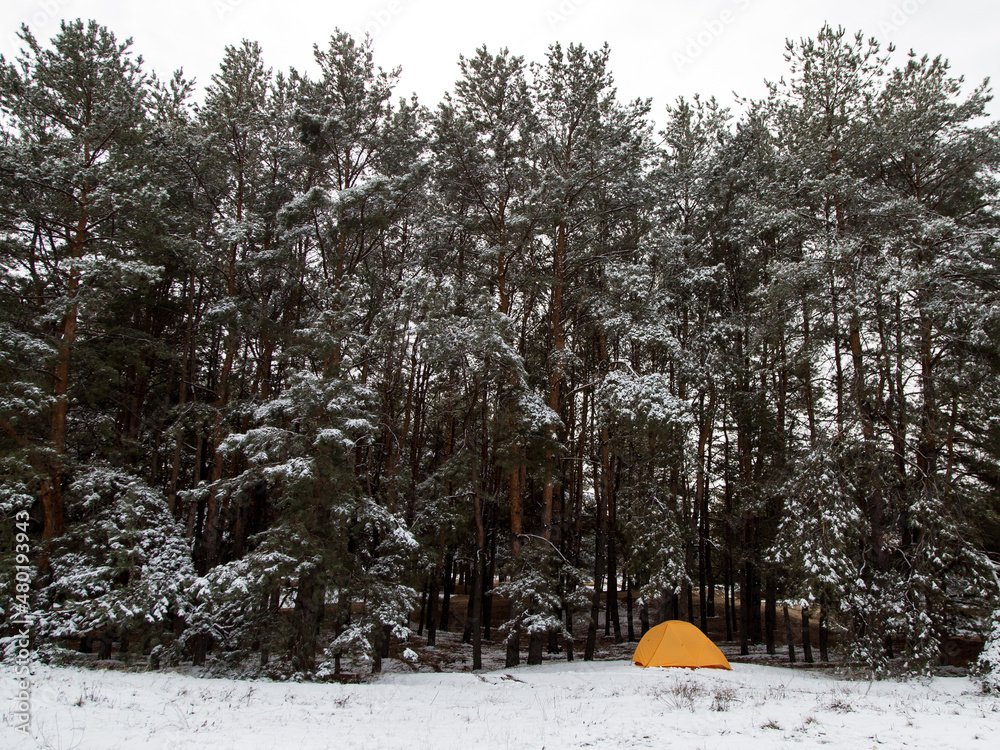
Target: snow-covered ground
{"x":556,"y":705}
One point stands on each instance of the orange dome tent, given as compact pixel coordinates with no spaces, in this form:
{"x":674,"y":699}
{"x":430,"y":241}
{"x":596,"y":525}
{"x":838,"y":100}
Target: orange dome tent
{"x":676,"y":643}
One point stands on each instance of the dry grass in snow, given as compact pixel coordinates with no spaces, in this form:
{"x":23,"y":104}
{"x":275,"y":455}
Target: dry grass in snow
{"x":556,"y":705}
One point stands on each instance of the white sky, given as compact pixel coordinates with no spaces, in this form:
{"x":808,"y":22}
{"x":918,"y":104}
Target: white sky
{"x":660,"y":49}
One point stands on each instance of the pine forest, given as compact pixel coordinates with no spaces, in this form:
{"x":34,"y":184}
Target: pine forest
{"x":291,"y":360}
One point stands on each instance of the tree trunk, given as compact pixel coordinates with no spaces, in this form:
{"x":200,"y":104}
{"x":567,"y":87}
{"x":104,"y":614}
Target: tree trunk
{"x":726,"y":584}
{"x":199,"y":649}
{"x":183,"y":387}
{"x":629,"y":610}
{"x":554,"y":634}
{"x":306,"y":618}
{"x":51,"y":485}
{"x":448,"y":584}
{"x":514,"y":488}
{"x":710,"y":582}
{"x":378,"y":650}
{"x":789,"y":636}
{"x":701,"y":501}
{"x":644,"y":610}
{"x":476,"y":594}
{"x":732,"y":607}
{"x":513,"y":649}
{"x":536,"y":643}
{"x":807,"y":379}
{"x":432,"y":605}
{"x":770,"y":613}
{"x":756,"y":624}
{"x":824,"y":632}
{"x":807,"y":654}
{"x":470,"y":605}
{"x":386,"y":643}
{"x":745,"y":615}
{"x":555,"y":369}
{"x":490,"y":574}
{"x":611,"y":617}
{"x":602,"y":490}
{"x":106,"y":646}
{"x":423,"y":609}
{"x":216,"y":505}
{"x":568,"y":638}
{"x":838,"y":365}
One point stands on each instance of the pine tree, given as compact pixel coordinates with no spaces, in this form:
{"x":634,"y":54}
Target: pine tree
{"x":308,"y":443}
{"x":592,"y":154}
{"x":74,"y":156}
{"x":939,"y":168}
{"x":484,"y":140}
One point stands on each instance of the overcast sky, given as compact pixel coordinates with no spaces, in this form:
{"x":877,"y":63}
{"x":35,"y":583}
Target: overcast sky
{"x":660,"y":49}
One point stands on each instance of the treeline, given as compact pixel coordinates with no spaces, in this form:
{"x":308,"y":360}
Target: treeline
{"x":305,"y":346}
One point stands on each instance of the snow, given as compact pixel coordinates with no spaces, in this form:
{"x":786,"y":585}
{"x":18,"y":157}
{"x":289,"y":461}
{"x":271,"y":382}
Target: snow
{"x":555,"y":705}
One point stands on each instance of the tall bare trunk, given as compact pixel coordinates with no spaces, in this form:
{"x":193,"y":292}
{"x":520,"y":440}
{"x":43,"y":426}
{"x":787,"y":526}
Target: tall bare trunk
{"x":476,"y":590}
{"x":789,"y":635}
{"x":807,"y":654}
{"x":51,"y":487}
{"x":306,"y":619}
{"x":182,"y":397}
{"x":602,"y":487}
{"x":555,"y":369}
{"x":701,"y":501}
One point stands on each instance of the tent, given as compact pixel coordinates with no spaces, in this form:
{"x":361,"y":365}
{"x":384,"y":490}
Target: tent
{"x":676,"y":643}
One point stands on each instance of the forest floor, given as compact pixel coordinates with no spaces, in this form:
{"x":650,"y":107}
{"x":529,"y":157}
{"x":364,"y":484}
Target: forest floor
{"x":605,"y":704}
{"x":451,"y":655}
{"x":430,"y":697}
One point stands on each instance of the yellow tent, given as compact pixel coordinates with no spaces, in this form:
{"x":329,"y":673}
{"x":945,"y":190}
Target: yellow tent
{"x":676,"y":643}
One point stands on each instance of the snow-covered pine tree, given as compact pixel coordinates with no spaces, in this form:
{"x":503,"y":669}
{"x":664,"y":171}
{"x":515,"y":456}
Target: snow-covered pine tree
{"x":822,"y":118}
{"x":484,"y":139}
{"x":593,"y":152}
{"x":122,"y":568}
{"x":940,"y":167}
{"x":683,"y":329}
{"x":309,"y":442}
{"x":76,"y":162}
{"x":239,"y":156}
